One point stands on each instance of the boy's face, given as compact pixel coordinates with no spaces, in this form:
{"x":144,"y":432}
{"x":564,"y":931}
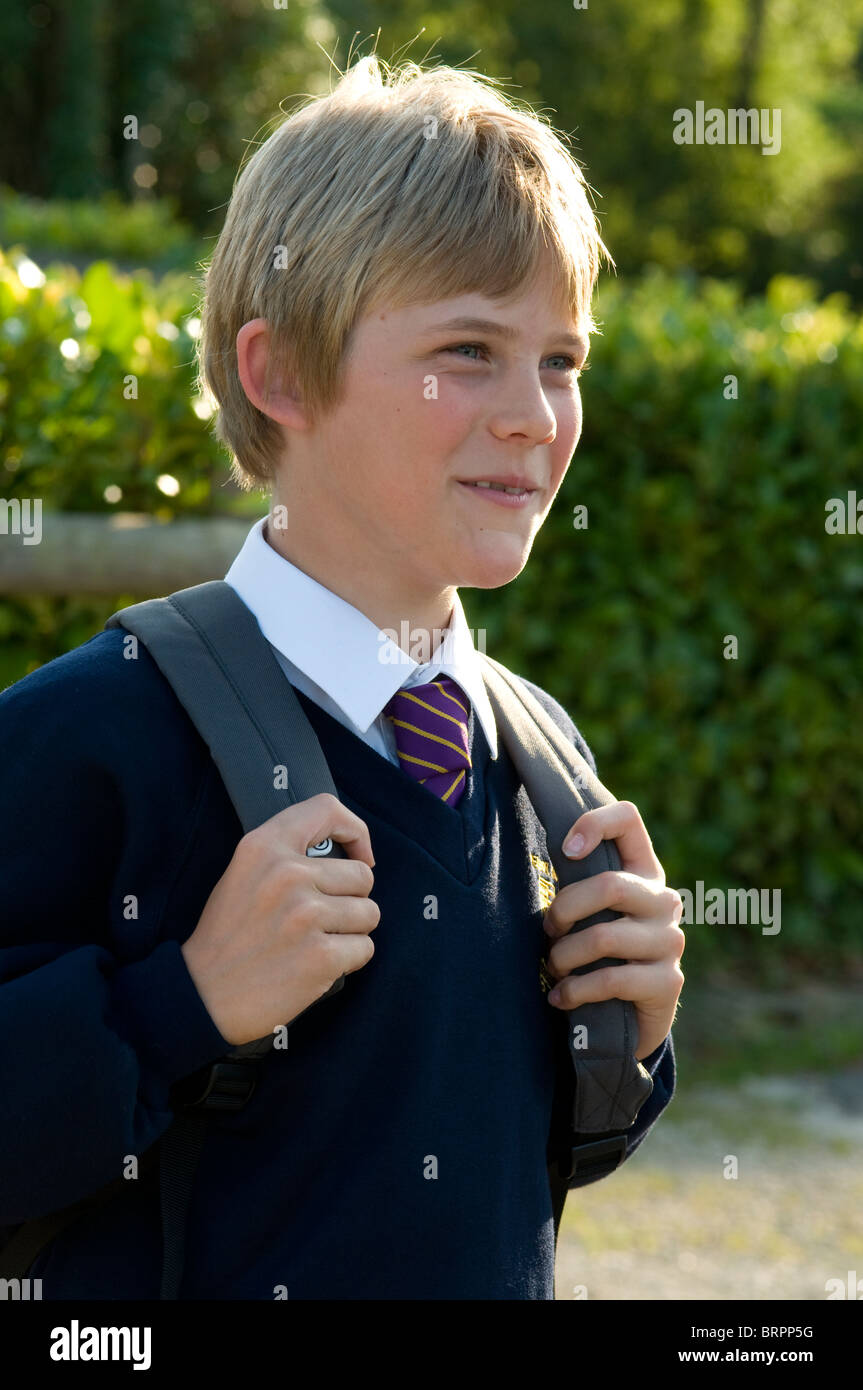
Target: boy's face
{"x":387,"y":476}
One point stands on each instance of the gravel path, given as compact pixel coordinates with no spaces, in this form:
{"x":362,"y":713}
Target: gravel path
{"x":671,"y":1225}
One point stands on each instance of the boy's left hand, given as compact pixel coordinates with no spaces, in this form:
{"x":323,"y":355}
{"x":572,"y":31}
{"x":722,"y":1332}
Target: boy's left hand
{"x":647,"y":937}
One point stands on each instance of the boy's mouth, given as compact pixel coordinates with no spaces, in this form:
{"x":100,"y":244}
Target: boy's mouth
{"x":506,"y":492}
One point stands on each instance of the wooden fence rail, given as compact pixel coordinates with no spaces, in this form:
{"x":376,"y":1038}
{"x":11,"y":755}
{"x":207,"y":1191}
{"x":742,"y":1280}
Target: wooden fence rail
{"x":121,"y":552}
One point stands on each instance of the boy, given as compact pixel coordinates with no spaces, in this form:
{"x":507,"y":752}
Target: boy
{"x":397,"y":1148}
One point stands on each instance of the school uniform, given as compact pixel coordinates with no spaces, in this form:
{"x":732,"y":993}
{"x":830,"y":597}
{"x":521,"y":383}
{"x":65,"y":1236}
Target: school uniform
{"x":397,"y":1148}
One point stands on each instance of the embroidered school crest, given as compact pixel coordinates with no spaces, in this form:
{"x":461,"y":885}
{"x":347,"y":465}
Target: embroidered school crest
{"x":547,"y":882}
{"x":546,"y":879}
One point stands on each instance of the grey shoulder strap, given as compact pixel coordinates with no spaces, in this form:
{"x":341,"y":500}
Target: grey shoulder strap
{"x":611,"y":1085}
{"x":210,"y":649}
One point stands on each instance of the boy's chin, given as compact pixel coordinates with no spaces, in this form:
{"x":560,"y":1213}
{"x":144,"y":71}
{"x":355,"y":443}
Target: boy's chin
{"x":496,"y":567}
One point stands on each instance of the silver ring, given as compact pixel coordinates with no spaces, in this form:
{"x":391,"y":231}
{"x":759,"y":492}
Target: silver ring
{"x":321,"y":848}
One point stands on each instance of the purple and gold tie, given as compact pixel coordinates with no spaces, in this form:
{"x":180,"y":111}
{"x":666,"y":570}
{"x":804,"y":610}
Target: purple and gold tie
{"x":431,"y":723}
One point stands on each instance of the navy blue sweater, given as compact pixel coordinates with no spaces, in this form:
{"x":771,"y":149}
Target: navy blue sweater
{"x":397,"y":1148}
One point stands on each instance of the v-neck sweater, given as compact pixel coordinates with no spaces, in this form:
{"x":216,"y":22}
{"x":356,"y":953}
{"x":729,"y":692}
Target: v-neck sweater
{"x":397,"y":1147}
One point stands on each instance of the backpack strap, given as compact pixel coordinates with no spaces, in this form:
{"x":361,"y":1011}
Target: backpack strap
{"x":611,"y":1085}
{"x":29,"y":1238}
{"x":209,"y":647}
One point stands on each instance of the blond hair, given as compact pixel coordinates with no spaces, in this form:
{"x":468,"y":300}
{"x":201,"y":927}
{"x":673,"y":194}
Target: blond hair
{"x":425,"y":187}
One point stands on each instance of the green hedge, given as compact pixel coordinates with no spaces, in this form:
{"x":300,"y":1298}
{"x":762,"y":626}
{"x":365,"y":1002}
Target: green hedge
{"x":68,"y":433}
{"x":146,"y":232}
{"x":70,"y":424}
{"x":706,"y":517}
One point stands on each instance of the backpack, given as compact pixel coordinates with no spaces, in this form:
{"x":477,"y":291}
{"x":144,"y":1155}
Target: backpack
{"x":209,"y":647}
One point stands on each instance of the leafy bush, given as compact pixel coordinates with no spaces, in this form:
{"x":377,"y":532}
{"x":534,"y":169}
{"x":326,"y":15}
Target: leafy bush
{"x":74,"y":350}
{"x":145,"y":232}
{"x":69,"y":344}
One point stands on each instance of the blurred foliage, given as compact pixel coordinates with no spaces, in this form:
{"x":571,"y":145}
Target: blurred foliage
{"x":706,"y":518}
{"x":73,"y":350}
{"x":613,"y":74}
{"x":205,"y":79}
{"x":200,"y":78}
{"x":87,"y":229}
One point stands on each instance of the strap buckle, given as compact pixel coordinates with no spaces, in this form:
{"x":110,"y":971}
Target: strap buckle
{"x":597,"y":1159}
{"x":225,"y":1085}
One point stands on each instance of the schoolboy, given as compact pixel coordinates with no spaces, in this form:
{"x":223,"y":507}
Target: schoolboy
{"x":397,"y":1148}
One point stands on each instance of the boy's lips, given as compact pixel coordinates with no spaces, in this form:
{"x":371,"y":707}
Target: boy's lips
{"x":506,"y":490}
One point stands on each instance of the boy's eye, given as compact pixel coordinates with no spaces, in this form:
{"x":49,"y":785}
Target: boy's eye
{"x":473,"y":347}
{"x":570,"y":362}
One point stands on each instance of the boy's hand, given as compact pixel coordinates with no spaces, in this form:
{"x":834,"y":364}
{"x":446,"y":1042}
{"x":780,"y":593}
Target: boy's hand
{"x":647,"y":937}
{"x":280,"y":927}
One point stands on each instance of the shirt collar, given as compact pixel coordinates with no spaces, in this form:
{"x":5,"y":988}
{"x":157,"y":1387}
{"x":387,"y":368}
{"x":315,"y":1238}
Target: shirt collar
{"x":342,"y":650}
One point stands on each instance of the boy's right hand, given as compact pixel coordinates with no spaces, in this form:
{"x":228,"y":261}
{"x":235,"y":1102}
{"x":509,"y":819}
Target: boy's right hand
{"x":280,"y":927}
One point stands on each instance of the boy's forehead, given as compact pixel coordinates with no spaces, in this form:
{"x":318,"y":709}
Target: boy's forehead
{"x":476,"y":312}
{"x":469,"y":323}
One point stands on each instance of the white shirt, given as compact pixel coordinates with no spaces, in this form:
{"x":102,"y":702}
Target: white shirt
{"x":337,"y":656}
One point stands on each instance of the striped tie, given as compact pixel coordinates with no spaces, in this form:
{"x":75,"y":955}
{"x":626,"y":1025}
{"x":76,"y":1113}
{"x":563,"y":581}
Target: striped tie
{"x":430,"y":723}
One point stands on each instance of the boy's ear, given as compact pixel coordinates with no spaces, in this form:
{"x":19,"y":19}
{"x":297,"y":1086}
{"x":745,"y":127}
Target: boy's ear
{"x":284,"y":402}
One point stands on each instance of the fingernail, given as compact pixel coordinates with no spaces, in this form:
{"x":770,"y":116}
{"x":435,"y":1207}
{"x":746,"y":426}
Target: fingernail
{"x":554,"y":996}
{"x":573,"y":845}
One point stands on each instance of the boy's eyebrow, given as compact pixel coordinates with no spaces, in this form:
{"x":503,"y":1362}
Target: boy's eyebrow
{"x":503,"y":330}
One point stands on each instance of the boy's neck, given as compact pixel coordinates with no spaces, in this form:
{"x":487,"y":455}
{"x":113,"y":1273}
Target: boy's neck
{"x":362,"y":587}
